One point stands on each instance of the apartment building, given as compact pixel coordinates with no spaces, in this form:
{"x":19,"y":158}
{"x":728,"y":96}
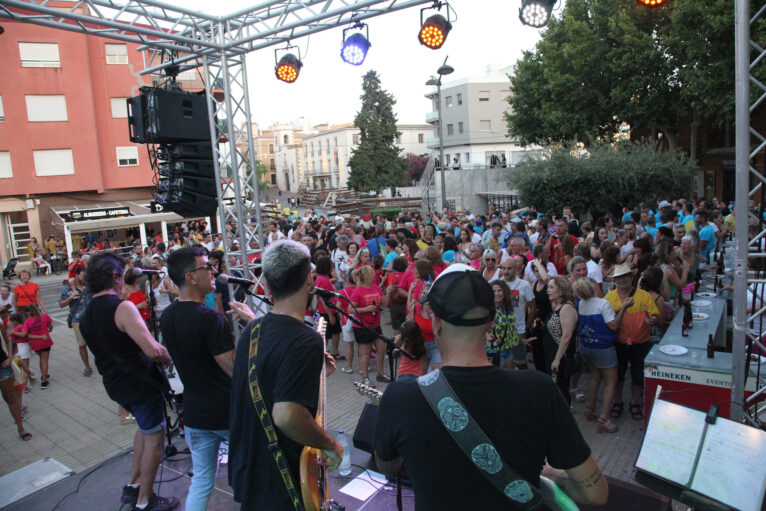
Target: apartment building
{"x":475,"y":131}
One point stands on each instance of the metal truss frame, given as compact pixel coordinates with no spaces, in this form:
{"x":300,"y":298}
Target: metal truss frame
{"x":185,"y":39}
{"x":747,"y":248}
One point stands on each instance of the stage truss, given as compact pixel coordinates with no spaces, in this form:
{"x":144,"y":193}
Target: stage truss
{"x":182,"y":39}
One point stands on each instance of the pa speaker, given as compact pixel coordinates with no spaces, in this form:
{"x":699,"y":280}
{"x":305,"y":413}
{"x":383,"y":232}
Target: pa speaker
{"x":161,"y":116}
{"x":365,"y":428}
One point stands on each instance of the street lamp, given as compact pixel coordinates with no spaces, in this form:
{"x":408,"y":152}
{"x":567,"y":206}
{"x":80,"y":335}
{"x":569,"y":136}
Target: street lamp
{"x":443,"y":70}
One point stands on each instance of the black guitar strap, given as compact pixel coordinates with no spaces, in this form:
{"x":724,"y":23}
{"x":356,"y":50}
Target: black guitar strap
{"x":475,"y":444}
{"x":268,"y":427}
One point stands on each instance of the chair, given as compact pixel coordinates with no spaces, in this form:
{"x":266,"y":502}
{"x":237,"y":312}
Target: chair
{"x":8,"y":272}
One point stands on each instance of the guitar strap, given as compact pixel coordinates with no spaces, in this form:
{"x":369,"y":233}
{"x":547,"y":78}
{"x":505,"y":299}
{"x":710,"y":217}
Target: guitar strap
{"x":268,"y":427}
{"x":475,"y":444}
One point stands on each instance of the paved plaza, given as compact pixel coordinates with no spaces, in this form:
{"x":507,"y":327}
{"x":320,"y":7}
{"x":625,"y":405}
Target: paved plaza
{"x":76,"y":423}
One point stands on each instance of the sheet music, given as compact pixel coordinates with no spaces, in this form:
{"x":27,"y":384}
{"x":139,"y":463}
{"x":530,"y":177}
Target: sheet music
{"x":731,"y":467}
{"x":671,"y":442}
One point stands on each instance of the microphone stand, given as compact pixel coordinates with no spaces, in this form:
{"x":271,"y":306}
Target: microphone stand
{"x":391,"y":347}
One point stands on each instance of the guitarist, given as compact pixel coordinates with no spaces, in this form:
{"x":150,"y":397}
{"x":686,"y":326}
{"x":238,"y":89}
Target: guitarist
{"x":287,"y":367}
{"x":521,"y":412}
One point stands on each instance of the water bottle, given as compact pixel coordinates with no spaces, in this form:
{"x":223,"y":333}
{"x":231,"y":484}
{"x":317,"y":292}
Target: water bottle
{"x":345,"y":464}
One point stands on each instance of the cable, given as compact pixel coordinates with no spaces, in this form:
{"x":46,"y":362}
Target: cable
{"x":94,"y":469}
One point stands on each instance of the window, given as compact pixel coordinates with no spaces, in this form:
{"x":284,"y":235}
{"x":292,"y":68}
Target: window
{"x":273,"y":179}
{"x":450,"y":129}
{"x":448,"y":101}
{"x":485,"y":125}
{"x":356,"y":138}
{"x":272,"y":164}
{"x":271,"y":148}
{"x":119,"y":108}
{"x":116,"y":53}
{"x":6,"y":170}
{"x":460,"y":127}
{"x":127,"y":156}
{"x":2,"y":112}
{"x":53,"y":162}
{"x":39,"y":55}
{"x":46,"y":108}
{"x":286,"y":139}
{"x":459,"y":99}
{"x":467,"y":157}
{"x":483,"y":95}
{"x":421,"y":138}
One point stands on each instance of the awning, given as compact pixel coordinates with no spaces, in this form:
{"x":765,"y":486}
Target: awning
{"x":97,"y":217}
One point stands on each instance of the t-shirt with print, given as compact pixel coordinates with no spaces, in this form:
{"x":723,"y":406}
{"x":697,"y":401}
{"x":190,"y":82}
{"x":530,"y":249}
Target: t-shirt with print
{"x":524,"y":416}
{"x":364,"y":296}
{"x":39,"y":326}
{"x":521,"y":294}
{"x":633,"y":330}
{"x":592,"y":330}
{"x":323,"y":282}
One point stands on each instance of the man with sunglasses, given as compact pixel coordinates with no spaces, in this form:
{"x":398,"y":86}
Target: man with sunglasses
{"x":200,"y":341}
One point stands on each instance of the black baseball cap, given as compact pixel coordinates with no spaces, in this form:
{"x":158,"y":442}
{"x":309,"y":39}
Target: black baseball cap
{"x":458,"y":290}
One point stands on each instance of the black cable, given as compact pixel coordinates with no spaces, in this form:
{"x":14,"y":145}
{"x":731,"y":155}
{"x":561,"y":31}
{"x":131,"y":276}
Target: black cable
{"x":91,"y":471}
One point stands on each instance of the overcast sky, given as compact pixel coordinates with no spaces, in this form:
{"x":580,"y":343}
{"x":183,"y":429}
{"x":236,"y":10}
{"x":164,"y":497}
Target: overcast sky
{"x":486,"y":32}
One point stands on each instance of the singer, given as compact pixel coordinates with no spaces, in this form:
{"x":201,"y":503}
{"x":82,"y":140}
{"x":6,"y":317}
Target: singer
{"x":200,"y":341}
{"x":287,"y":358}
{"x":125,"y":353}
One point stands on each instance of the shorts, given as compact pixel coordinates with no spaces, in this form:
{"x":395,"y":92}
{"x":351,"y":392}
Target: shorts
{"x":5,"y":373}
{"x":149,"y":414}
{"x":364,"y":336}
{"x":331,"y":329}
{"x":348,"y":331}
{"x":23,"y":350}
{"x":604,"y":358}
{"x":398,"y":314}
{"x":406,"y":377}
{"x":78,"y":335}
{"x":43,"y":350}
{"x":433,"y":353}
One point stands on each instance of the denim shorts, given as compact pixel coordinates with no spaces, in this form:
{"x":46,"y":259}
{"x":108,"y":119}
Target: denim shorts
{"x":149,"y":414}
{"x":434,"y":355}
{"x":5,"y":373}
{"x":604,"y":358}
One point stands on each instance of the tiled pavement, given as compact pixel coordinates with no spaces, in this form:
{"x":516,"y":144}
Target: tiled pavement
{"x":76,"y":423}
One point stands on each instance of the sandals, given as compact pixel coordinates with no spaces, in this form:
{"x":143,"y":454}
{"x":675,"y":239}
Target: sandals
{"x":347,"y":371}
{"x":577,"y":395}
{"x":590,"y":414}
{"x":605,"y":426}
{"x":616,"y":410}
{"x":338,"y":356}
{"x":26,"y":436}
{"x":635,"y":412}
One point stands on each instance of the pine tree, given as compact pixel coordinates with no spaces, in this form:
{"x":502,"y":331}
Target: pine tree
{"x":375,"y":163}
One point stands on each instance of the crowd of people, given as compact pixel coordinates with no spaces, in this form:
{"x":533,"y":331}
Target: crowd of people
{"x":562,"y":297}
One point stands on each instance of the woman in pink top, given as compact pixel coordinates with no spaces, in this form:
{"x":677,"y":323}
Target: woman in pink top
{"x":411,"y":340}
{"x":366,"y":300}
{"x":322,"y":281}
{"x":38,"y":327}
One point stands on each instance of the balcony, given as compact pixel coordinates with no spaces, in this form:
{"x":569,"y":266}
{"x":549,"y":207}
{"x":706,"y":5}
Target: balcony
{"x":432,"y":117}
{"x":432,"y":143}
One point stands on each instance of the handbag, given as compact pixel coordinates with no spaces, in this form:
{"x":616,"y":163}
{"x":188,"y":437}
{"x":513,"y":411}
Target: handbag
{"x":573,"y":364}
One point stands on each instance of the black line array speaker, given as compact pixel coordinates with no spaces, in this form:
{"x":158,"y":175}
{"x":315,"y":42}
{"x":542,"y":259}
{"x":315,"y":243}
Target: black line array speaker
{"x":167,"y":116}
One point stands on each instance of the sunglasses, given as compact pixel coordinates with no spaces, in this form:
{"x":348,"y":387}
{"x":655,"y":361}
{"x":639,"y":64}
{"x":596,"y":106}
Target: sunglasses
{"x":490,"y":259}
{"x":207,"y":266}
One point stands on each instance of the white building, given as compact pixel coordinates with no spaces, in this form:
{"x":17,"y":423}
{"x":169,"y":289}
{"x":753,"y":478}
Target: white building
{"x":475,"y":130}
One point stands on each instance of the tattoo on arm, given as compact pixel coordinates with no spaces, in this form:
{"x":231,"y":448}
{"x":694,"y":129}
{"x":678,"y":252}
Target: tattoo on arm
{"x":589,"y":481}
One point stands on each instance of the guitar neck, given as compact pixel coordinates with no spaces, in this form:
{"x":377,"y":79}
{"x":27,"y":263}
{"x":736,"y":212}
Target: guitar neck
{"x":321,"y":416}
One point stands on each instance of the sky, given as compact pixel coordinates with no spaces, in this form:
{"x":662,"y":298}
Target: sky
{"x":486,"y":32}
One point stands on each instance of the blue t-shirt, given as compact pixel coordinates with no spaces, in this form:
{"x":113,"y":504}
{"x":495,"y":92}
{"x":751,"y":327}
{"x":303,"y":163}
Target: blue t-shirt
{"x":374,"y":246}
{"x":592,"y":329}
{"x":651,"y":230}
{"x":688,"y":222}
{"x":449,"y":256}
{"x":390,"y":258}
{"x":627,"y":217}
{"x":707,"y":234}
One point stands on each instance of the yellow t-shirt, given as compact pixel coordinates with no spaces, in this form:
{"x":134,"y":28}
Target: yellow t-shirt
{"x":633,"y":328}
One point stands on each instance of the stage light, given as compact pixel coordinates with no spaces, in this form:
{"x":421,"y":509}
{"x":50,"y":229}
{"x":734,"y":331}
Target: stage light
{"x":651,"y":3}
{"x":535,"y":13}
{"x":434,"y":31}
{"x":288,"y":68}
{"x":355,"y":46}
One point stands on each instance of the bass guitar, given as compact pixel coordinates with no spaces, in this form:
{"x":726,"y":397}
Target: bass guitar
{"x":315,"y":485}
{"x":555,"y":498}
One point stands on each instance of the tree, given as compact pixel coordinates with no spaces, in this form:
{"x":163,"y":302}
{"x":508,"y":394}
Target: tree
{"x":375,"y":163}
{"x":414,"y":167}
{"x":607,"y":178}
{"x":605,"y":62}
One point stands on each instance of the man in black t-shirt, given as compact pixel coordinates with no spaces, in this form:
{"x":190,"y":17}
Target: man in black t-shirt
{"x":521,"y":412}
{"x":199,"y":341}
{"x":288,"y":365}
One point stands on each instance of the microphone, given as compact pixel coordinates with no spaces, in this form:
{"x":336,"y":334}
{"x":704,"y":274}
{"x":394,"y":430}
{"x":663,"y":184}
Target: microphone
{"x":224,"y":279}
{"x":324,"y":293}
{"x":140,"y":271}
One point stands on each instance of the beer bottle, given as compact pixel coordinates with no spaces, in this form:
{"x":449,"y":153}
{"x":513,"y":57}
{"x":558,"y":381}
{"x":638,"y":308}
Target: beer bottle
{"x":710,"y":348}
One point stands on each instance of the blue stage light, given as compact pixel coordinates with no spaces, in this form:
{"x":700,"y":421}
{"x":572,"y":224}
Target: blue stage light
{"x":354,"y":49}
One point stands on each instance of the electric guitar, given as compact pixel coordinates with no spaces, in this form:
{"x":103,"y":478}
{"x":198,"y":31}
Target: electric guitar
{"x":555,"y":498}
{"x":315,"y":484}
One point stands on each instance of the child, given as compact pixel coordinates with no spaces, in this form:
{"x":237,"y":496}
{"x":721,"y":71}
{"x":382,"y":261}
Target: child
{"x":411,"y":340}
{"x":19,"y":336}
{"x":380,"y":272}
{"x":347,"y":328}
{"x":38,"y":327}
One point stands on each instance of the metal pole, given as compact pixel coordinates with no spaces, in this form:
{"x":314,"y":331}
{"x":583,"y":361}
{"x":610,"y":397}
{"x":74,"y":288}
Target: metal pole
{"x":742,"y":91}
{"x":441,"y":141}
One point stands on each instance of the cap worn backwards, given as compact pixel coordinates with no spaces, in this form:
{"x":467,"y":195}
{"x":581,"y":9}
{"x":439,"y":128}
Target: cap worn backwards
{"x":459,"y":290}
